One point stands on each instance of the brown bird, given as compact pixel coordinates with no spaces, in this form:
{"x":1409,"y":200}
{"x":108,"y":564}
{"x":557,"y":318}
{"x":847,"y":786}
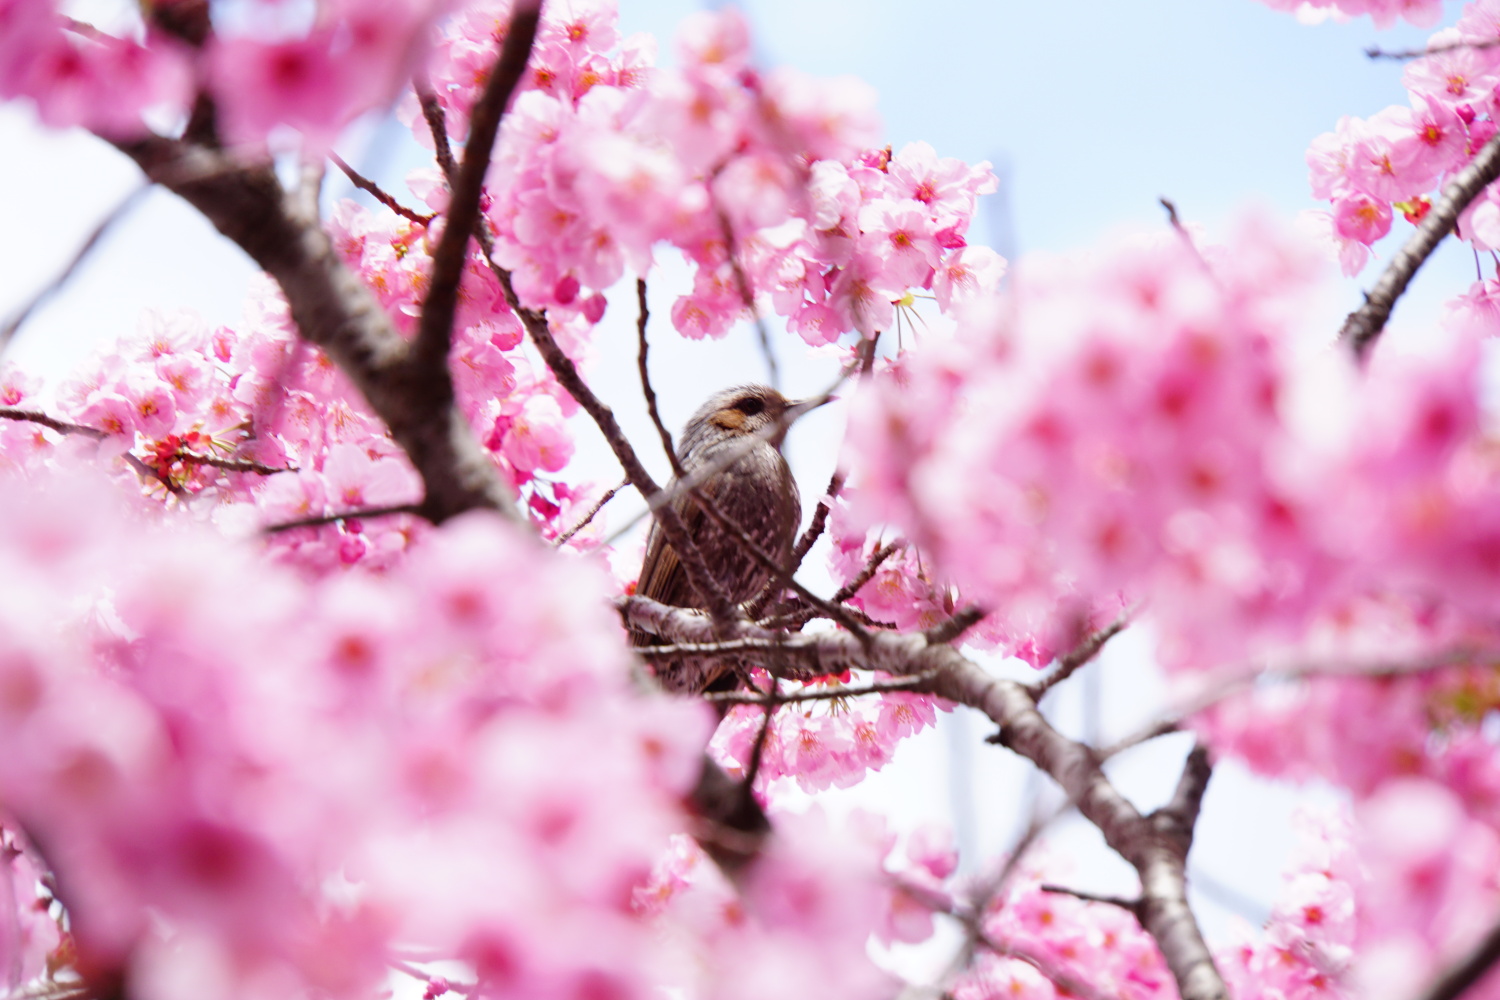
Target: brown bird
{"x":755,"y":490}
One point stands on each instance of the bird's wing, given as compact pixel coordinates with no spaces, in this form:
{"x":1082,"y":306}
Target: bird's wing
{"x":662,"y":575}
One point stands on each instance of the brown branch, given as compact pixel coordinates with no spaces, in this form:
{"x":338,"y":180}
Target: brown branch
{"x":865,"y":575}
{"x":435,"y":328}
{"x":1172,"y":216}
{"x":1091,"y":897}
{"x":593,"y":512}
{"x":151,"y":472}
{"x":231,"y":464}
{"x":334,"y":310}
{"x":661,"y":429}
{"x":819,"y":521}
{"x":1159,"y":860}
{"x":1084,"y":653}
{"x":321,"y":519}
{"x":1457,"y":979}
{"x":1365,"y":324}
{"x":1375,"y":52}
{"x":437,"y":124}
{"x":747,"y":295}
{"x":711,"y":648}
{"x":905,"y":685}
{"x":1242,"y":678}
{"x":377,"y":192}
{"x":51,"y":423}
{"x":961,"y":622}
{"x":566,"y":372}
{"x":20,"y":316}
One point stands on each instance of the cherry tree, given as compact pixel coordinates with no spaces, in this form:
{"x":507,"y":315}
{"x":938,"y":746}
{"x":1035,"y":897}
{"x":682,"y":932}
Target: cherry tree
{"x":315,"y":671}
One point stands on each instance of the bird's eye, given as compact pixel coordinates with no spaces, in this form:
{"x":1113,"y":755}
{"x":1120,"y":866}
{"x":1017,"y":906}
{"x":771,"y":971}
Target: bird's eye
{"x":750,"y":405}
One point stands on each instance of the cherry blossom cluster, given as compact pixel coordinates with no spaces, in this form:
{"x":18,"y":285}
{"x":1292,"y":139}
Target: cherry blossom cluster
{"x":1377,"y":902}
{"x":820,"y":742}
{"x":1108,"y":431}
{"x":761,"y":180}
{"x":1422,"y":13}
{"x":223,"y":416}
{"x":250,"y":781}
{"x":269,"y":65}
{"x":1396,"y":160}
{"x":1148,"y":448}
{"x":797,"y":926}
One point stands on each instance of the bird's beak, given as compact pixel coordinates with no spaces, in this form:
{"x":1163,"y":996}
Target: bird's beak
{"x":800,"y":407}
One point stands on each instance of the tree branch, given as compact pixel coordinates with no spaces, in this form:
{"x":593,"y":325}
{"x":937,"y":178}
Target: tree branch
{"x":906,"y":685}
{"x":1092,"y":897}
{"x":347,"y":515}
{"x":567,"y":375}
{"x":1365,"y":324}
{"x":593,"y":513}
{"x":661,"y":429}
{"x":435,"y":329}
{"x":333,"y":309}
{"x":51,"y":423}
{"x":1076,"y":658}
{"x":1144,"y":842}
{"x":377,"y":192}
{"x":1375,"y":52}
{"x":1468,"y":970}
{"x":819,"y":521}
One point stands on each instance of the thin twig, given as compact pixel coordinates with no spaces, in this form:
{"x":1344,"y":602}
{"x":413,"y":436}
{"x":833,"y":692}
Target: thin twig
{"x":713,"y":648}
{"x":865,"y":575}
{"x":566,"y":372}
{"x":904,"y":685}
{"x":51,"y":423}
{"x":437,"y":124}
{"x":435,"y":329}
{"x":1238,"y":680}
{"x":747,"y":295}
{"x":961,"y":622}
{"x":568,"y":376}
{"x":367,"y":514}
{"x":231,"y":464}
{"x":1082,"y":654}
{"x":640,"y":327}
{"x":757,"y":754}
{"x":1375,"y":52}
{"x":1468,"y":970}
{"x":52,"y":287}
{"x":150,"y":472}
{"x":593,"y":512}
{"x":1172,"y":216}
{"x":819,"y":521}
{"x":377,"y":192}
{"x":1365,"y":324}
{"x":1091,"y":897}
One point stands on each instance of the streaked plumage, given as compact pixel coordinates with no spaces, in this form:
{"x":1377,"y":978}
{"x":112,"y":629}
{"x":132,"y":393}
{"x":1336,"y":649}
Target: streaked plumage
{"x":756,"y":490}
